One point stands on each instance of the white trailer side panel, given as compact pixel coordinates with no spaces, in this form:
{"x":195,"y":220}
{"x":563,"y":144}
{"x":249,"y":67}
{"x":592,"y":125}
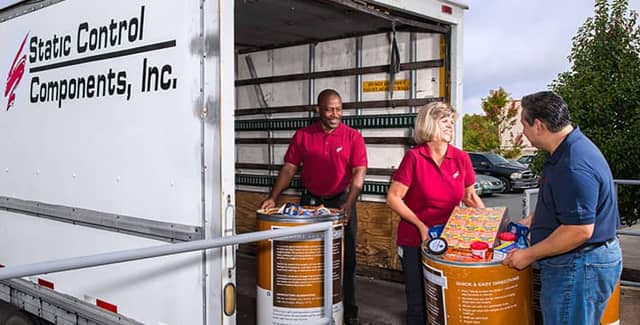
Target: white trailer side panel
{"x":136,"y":156}
{"x":161,"y":290}
{"x":134,"y":147}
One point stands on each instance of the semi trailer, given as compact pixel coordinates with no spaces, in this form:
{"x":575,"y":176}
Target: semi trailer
{"x":128,"y":124}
